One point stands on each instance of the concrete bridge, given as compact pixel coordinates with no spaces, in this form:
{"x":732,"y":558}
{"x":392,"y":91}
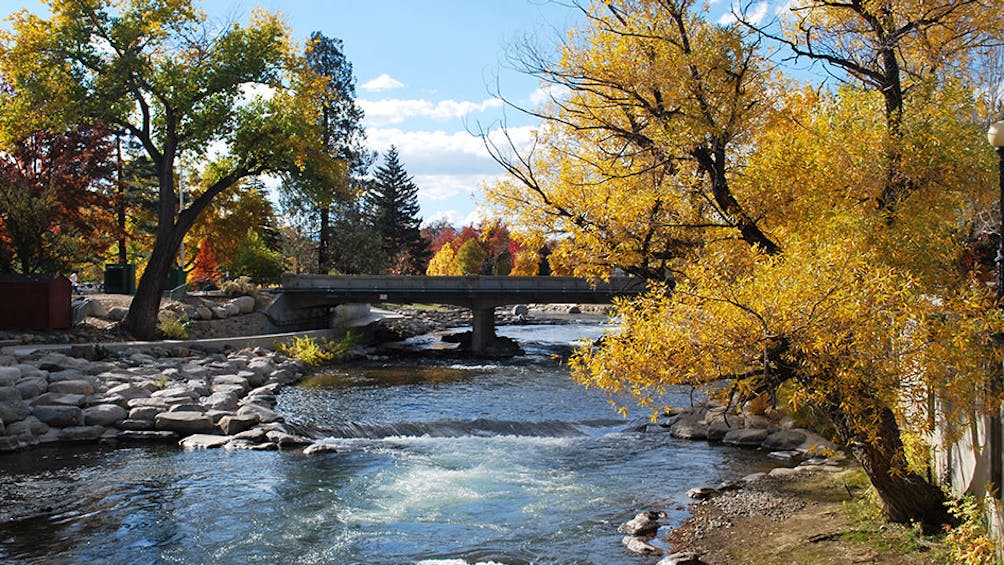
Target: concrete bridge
{"x":306,"y":293}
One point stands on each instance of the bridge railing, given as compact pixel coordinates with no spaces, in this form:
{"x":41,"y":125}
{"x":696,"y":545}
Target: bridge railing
{"x":477,"y":283}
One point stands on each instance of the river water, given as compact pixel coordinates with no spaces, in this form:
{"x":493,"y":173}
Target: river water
{"x":439,"y":461}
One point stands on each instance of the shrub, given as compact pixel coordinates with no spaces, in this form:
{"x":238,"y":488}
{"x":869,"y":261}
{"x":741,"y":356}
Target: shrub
{"x":315,"y":352}
{"x":174,"y":328}
{"x":241,"y":286}
{"x":969,"y":542}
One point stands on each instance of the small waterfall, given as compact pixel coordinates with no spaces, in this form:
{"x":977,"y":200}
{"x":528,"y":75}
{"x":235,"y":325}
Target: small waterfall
{"x":458,"y":428}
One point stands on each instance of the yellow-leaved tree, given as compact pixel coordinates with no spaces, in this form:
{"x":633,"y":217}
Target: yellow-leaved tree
{"x":808,"y":240}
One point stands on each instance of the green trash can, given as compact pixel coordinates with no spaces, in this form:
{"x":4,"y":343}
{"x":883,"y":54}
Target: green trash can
{"x":120,"y":278}
{"x":176,"y":277}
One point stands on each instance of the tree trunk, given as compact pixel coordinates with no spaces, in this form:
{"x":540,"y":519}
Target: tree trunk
{"x":906,"y":496}
{"x":323,"y":251}
{"x":141,"y":321}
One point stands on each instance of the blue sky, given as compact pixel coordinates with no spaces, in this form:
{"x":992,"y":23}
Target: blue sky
{"x":426,"y":72}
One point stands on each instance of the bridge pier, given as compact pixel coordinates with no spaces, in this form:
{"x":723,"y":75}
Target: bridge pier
{"x":483,"y":334}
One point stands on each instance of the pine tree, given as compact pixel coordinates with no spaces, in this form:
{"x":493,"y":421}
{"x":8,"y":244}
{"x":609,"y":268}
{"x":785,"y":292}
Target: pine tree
{"x":392,"y":206}
{"x":315,"y":204}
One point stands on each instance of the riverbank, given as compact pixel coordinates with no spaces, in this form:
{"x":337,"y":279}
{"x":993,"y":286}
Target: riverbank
{"x":820,"y":516}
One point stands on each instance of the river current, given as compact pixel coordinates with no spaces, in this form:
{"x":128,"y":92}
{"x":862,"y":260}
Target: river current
{"x":439,"y":462}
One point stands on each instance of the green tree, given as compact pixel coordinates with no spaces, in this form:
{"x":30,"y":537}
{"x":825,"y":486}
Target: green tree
{"x":155,"y":69}
{"x":318,"y":204}
{"x":469,"y":257}
{"x":254,"y":259}
{"x":355,"y":244}
{"x":392,"y":206}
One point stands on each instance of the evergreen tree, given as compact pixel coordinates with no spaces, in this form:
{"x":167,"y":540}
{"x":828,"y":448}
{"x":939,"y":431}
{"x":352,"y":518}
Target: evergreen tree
{"x":392,"y":206}
{"x":314,"y":204}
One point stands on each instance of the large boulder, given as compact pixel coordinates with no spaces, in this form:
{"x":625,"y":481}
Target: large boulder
{"x":104,"y":415}
{"x":130,"y":391}
{"x":231,"y":425}
{"x":59,"y":416}
{"x":204,"y":441}
{"x":263,"y":414}
{"x":117,"y":313}
{"x":745,"y":437}
{"x":184,"y":423}
{"x":60,"y":399}
{"x":784,"y":440}
{"x":30,"y":387}
{"x":9,"y":375}
{"x":221,"y":401}
{"x":688,"y":427}
{"x":81,"y":433}
{"x":14,"y":410}
{"x":29,"y":426}
{"x":245,"y":304}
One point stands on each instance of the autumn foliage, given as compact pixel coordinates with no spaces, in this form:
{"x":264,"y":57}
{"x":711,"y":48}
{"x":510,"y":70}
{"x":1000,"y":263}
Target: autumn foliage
{"x":802,"y":243}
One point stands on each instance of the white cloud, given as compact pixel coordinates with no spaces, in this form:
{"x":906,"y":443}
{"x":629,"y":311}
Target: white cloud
{"x":449,"y":215}
{"x":546,"y":93}
{"x":754,"y":15}
{"x":394,"y":111}
{"x":382,"y":82}
{"x":445,"y":186}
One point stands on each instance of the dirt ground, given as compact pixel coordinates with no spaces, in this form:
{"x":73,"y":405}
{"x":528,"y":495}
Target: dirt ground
{"x":810,"y":518}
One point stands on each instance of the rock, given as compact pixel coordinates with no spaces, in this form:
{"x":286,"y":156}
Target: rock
{"x":220,"y":313}
{"x":245,"y":304}
{"x":231,"y":381}
{"x":59,"y":399}
{"x":104,"y":415}
{"x":232,"y":425}
{"x":117,"y":313}
{"x":689,"y":428}
{"x":640,"y":546}
{"x":78,"y":386}
{"x":136,"y":425}
{"x":781,"y":472}
{"x":682,"y":558}
{"x":254,"y":434}
{"x":520,"y":310}
{"x":232,"y":309}
{"x":784,"y":440}
{"x":13,"y":410}
{"x":184,"y":423}
{"x":745,"y":437}
{"x":753,"y":477}
{"x":81,"y":433}
{"x":784,"y":455}
{"x":760,"y":422}
{"x":283,"y":439}
{"x":203,"y":313}
{"x":144,"y":413}
{"x":702,"y":493}
{"x":643,"y":524}
{"x":717,"y":430}
{"x":189,"y":407}
{"x":159,"y":403}
{"x":318,"y":448}
{"x":204,"y":441}
{"x":221,"y":401}
{"x":58,"y":416}
{"x":148,"y":436}
{"x":8,"y":393}
{"x":176,"y":391}
{"x":244,"y":444}
{"x":29,"y":426}
{"x":96,"y":308}
{"x":9,"y":375}
{"x":263,"y":414}
{"x":575,"y":310}
{"x":31,"y":387}
{"x":129,"y":391}
{"x":65,"y":375}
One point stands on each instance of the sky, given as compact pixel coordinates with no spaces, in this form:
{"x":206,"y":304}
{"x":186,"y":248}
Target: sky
{"x":428,"y":73}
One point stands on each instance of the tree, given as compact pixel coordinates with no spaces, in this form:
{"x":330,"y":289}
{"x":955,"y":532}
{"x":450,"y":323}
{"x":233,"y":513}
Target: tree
{"x":392,"y":206}
{"x":673,"y":153}
{"x":344,"y":137}
{"x":444,"y":263}
{"x":469,"y":258}
{"x":355,"y":244}
{"x":227,"y":220}
{"x":155,"y":69}
{"x":207,"y":269}
{"x":254,"y":259}
{"x":55,"y":200}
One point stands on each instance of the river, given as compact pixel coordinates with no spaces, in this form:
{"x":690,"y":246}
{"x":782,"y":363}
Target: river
{"x":439,"y":461}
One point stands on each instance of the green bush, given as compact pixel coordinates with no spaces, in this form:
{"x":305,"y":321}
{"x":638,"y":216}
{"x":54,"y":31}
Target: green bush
{"x":174,"y":328}
{"x":315,"y":352}
{"x":256,"y":261}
